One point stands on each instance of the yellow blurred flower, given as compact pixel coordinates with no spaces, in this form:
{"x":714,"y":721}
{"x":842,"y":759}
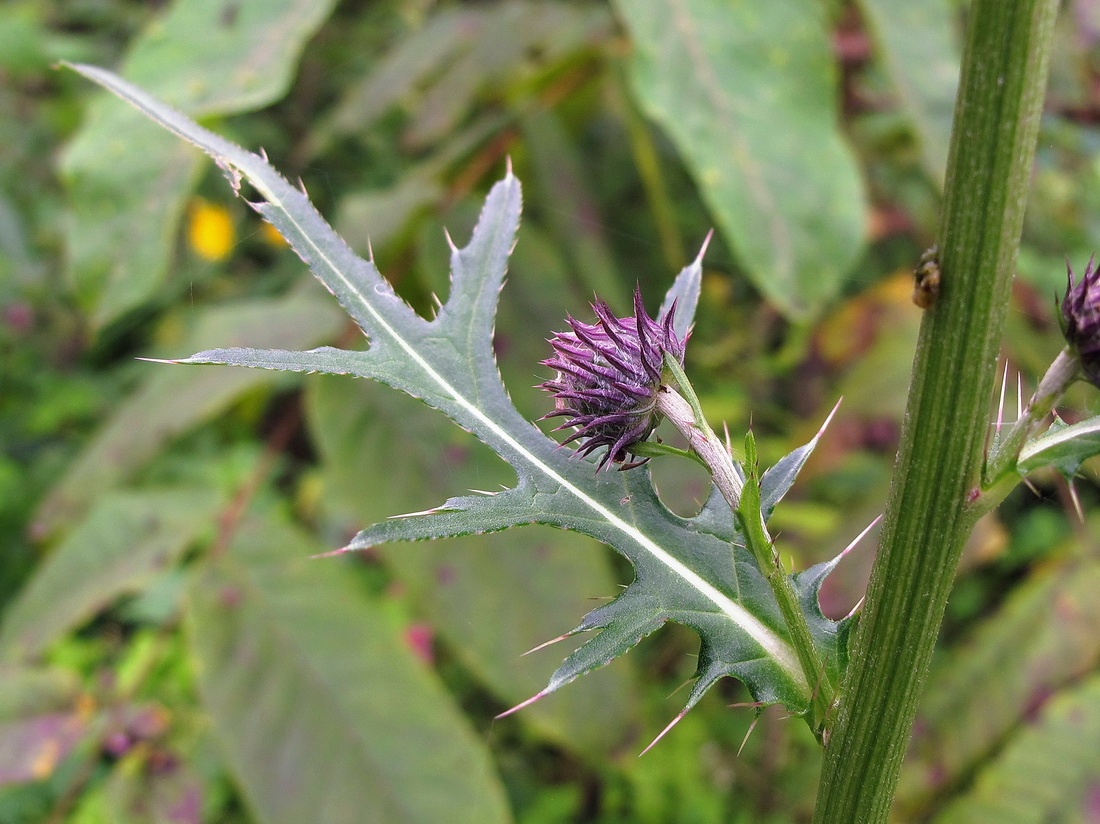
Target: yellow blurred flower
{"x":210,"y":231}
{"x":271,"y":236}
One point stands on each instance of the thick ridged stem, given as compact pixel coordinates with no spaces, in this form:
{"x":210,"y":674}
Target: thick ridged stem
{"x":939,"y":461}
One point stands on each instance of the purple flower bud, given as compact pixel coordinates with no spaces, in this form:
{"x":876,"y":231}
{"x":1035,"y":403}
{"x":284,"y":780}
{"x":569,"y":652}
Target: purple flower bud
{"x":608,"y":376}
{"x":1081,"y":319}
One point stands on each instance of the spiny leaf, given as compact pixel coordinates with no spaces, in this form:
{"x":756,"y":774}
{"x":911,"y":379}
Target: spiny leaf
{"x":687,"y":571}
{"x":1065,"y":447}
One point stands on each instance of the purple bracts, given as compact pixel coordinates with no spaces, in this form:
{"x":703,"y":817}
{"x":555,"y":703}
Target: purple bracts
{"x":608,"y":376}
{"x":1081,"y":319}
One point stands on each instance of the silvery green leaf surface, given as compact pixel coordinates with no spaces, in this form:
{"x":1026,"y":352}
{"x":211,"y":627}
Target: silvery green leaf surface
{"x":688,"y":570}
{"x":1065,"y":447}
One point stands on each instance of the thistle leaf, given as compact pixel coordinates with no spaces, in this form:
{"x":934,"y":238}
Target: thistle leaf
{"x":689,"y":570}
{"x":1065,"y":447}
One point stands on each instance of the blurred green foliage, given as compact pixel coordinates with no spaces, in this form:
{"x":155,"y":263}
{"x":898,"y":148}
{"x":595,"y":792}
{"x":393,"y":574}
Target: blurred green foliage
{"x":162,"y":626}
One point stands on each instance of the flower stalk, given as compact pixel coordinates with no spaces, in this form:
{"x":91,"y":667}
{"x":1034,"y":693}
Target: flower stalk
{"x":686,"y":413}
{"x":743,"y":496}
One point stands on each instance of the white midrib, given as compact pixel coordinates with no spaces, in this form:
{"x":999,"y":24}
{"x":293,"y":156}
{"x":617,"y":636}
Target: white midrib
{"x":772,"y":644}
{"x":1049,"y":441}
{"x":255,"y":168}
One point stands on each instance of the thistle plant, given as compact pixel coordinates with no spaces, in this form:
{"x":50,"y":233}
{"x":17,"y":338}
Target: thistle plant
{"x":719,"y":571}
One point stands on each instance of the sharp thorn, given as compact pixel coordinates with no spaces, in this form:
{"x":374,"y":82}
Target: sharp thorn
{"x":854,"y":609}
{"x":703,"y":248}
{"x":546,"y":644}
{"x":1076,"y":501}
{"x":829,"y":419}
{"x":334,"y":552}
{"x":683,"y":684}
{"x":1019,"y":395}
{"x":662,"y":733}
{"x":1001,"y":403}
{"x":748,"y":732}
{"x":431,"y":511}
{"x":523,"y":704}
{"x":859,"y":537}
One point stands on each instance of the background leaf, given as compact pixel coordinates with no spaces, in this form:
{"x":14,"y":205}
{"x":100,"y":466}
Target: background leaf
{"x":571,"y":756}
{"x":1042,"y":639}
{"x":1046,"y":773}
{"x":784,"y":189}
{"x":324,"y":714}
{"x":244,"y":58}
{"x":42,"y":718}
{"x":30,"y":748}
{"x":123,"y":543}
{"x":918,"y":45}
{"x":171,"y":401}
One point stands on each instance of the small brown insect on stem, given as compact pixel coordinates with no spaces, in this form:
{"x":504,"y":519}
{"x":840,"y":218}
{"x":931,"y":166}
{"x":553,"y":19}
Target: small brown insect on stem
{"x":926,"y":278}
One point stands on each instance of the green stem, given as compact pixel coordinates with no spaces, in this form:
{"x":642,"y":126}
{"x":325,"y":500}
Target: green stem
{"x":939,"y":461}
{"x":763,"y":549}
{"x":686,"y":414}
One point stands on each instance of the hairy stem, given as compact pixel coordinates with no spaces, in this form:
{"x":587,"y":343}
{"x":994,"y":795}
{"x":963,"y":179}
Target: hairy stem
{"x":939,"y":461}
{"x":686,"y":414}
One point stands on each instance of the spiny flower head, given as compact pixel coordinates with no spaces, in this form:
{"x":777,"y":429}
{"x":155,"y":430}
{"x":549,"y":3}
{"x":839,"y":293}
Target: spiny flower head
{"x":1081,"y":319}
{"x":608,"y":376}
